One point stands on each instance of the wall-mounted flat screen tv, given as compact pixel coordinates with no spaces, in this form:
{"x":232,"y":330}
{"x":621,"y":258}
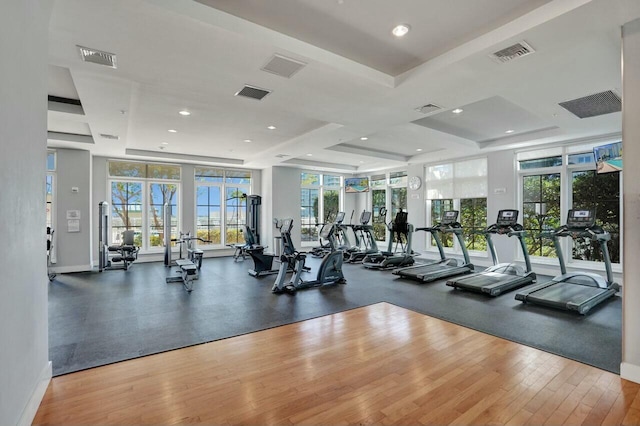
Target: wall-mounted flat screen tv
{"x":355,"y":185}
{"x":608,"y":157}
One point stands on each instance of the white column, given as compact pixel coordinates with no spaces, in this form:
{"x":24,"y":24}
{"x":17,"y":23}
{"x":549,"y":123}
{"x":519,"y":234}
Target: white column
{"x":630,"y":367}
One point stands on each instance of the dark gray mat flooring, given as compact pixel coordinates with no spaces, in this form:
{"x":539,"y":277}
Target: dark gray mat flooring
{"x":97,"y":319}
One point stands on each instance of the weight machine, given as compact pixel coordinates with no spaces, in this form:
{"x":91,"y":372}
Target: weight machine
{"x":116,"y":256}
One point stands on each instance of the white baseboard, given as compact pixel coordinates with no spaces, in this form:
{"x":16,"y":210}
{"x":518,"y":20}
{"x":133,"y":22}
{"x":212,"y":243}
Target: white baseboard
{"x":630,"y":372}
{"x":29,"y":412}
{"x":69,"y":269}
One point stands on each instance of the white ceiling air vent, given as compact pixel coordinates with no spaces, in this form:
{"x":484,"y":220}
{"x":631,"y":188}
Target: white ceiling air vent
{"x":98,"y":57}
{"x":594,"y":105}
{"x":253,"y":92}
{"x":110,"y":137}
{"x":515,"y":51}
{"x":428,"y":108}
{"x":283,"y":66}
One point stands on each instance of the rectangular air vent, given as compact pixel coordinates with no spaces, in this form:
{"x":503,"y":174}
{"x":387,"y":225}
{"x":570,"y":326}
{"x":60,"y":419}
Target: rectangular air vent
{"x":253,"y":92}
{"x":594,"y":105}
{"x":98,"y":57}
{"x":111,"y":137}
{"x":515,"y":51}
{"x":428,"y":108}
{"x":283,"y":66}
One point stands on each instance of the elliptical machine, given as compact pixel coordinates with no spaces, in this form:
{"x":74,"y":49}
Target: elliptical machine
{"x":400,"y":232}
{"x":329,"y":272}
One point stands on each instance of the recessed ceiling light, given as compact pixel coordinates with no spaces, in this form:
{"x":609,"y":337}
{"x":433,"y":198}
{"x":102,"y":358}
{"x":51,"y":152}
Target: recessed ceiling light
{"x":419,"y":149}
{"x":172,"y":131}
{"x":509,"y":131}
{"x":184,"y":112}
{"x":247,"y":140}
{"x":165,"y":143}
{"x":364,"y":138}
{"x":271,"y":127}
{"x":309,"y":155}
{"x":400,"y":30}
{"x":457,"y":110}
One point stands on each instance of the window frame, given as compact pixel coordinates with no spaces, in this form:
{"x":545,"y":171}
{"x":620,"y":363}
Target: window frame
{"x":145,"y":182}
{"x":321,"y":188}
{"x":566,"y":200}
{"x":223,"y":185}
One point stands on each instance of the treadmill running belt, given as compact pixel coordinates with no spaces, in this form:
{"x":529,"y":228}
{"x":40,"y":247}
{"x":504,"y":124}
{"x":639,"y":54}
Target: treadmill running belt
{"x":563,"y":293}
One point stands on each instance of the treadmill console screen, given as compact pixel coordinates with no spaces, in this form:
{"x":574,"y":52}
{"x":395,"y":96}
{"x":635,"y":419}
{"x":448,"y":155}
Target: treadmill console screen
{"x":339,"y":217}
{"x":449,"y":217}
{"x":581,"y":219}
{"x":507,"y":218}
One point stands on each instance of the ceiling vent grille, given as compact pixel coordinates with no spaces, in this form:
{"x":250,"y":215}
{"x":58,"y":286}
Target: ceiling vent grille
{"x":253,"y":92}
{"x":98,"y":57}
{"x":515,"y":51}
{"x":428,"y":108}
{"x":283,"y":66}
{"x":594,"y":105}
{"x":110,"y":137}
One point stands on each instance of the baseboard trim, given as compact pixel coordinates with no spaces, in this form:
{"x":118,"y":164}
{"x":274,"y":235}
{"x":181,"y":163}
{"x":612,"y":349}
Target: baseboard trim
{"x":630,"y":372}
{"x":69,"y":269}
{"x":29,"y":412}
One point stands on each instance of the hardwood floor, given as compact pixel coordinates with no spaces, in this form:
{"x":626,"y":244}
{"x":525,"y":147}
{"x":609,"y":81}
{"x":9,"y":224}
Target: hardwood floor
{"x":380,"y":364}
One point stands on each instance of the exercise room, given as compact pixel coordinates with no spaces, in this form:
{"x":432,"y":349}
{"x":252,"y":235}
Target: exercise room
{"x":340,"y":212}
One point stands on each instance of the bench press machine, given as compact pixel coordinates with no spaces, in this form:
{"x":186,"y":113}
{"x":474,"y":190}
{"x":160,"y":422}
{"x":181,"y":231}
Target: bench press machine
{"x":189,"y":267}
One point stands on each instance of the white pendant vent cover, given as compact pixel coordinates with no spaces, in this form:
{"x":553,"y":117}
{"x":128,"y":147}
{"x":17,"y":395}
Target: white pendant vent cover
{"x":253,"y":92}
{"x":98,"y":57}
{"x":515,"y":51}
{"x":283,"y":66}
{"x":428,"y":108}
{"x":594,"y":105}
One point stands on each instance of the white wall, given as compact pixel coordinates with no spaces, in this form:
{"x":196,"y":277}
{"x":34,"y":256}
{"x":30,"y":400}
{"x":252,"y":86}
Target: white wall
{"x":417,"y":208}
{"x":285,"y":198}
{"x":25,"y":369}
{"x":630,"y":368}
{"x":502,"y":194}
{"x":73,"y":249}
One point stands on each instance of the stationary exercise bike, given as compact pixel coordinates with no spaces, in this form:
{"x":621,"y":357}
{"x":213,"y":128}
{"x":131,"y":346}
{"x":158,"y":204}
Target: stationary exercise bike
{"x":329,"y":272}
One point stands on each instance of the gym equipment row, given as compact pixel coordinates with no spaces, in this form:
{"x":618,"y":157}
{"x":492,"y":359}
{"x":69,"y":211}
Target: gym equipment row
{"x":577,"y":291}
{"x":114,"y":256}
{"x":400,"y":233}
{"x":50,"y":232}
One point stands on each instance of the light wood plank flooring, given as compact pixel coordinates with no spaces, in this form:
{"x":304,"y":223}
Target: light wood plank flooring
{"x":380,"y":364}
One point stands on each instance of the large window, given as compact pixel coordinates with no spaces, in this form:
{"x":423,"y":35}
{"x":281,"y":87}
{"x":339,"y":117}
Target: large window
{"x":398,"y":185}
{"x":600,"y":192}
{"x":459,"y":186}
{"x":320,"y":201}
{"x":556,"y":180}
{"x":139,"y":192}
{"x":219,"y":219}
{"x":540,"y":211}
{"x":379,"y":201}
{"x":49,"y":187}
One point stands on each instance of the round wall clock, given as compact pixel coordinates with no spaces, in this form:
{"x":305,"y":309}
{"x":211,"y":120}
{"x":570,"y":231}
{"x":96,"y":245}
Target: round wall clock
{"x":415,"y":182}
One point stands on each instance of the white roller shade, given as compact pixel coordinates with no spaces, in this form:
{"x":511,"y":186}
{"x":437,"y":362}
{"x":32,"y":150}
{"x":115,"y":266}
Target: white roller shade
{"x":463,"y":179}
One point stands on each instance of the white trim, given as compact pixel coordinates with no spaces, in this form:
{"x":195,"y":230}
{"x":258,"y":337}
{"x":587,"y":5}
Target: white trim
{"x":30,"y":410}
{"x":630,"y":372}
{"x":75,"y":268}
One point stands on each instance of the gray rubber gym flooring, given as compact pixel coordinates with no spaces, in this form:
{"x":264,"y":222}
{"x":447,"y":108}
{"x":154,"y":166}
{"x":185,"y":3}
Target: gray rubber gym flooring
{"x":97,"y":319}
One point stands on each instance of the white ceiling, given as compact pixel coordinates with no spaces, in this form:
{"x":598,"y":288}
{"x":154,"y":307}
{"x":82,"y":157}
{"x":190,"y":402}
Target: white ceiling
{"x":358,"y":81}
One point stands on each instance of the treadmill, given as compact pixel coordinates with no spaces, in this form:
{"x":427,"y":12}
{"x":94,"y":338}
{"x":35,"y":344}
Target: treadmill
{"x":575,"y":291}
{"x":445,"y":267}
{"x":500,"y":277}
